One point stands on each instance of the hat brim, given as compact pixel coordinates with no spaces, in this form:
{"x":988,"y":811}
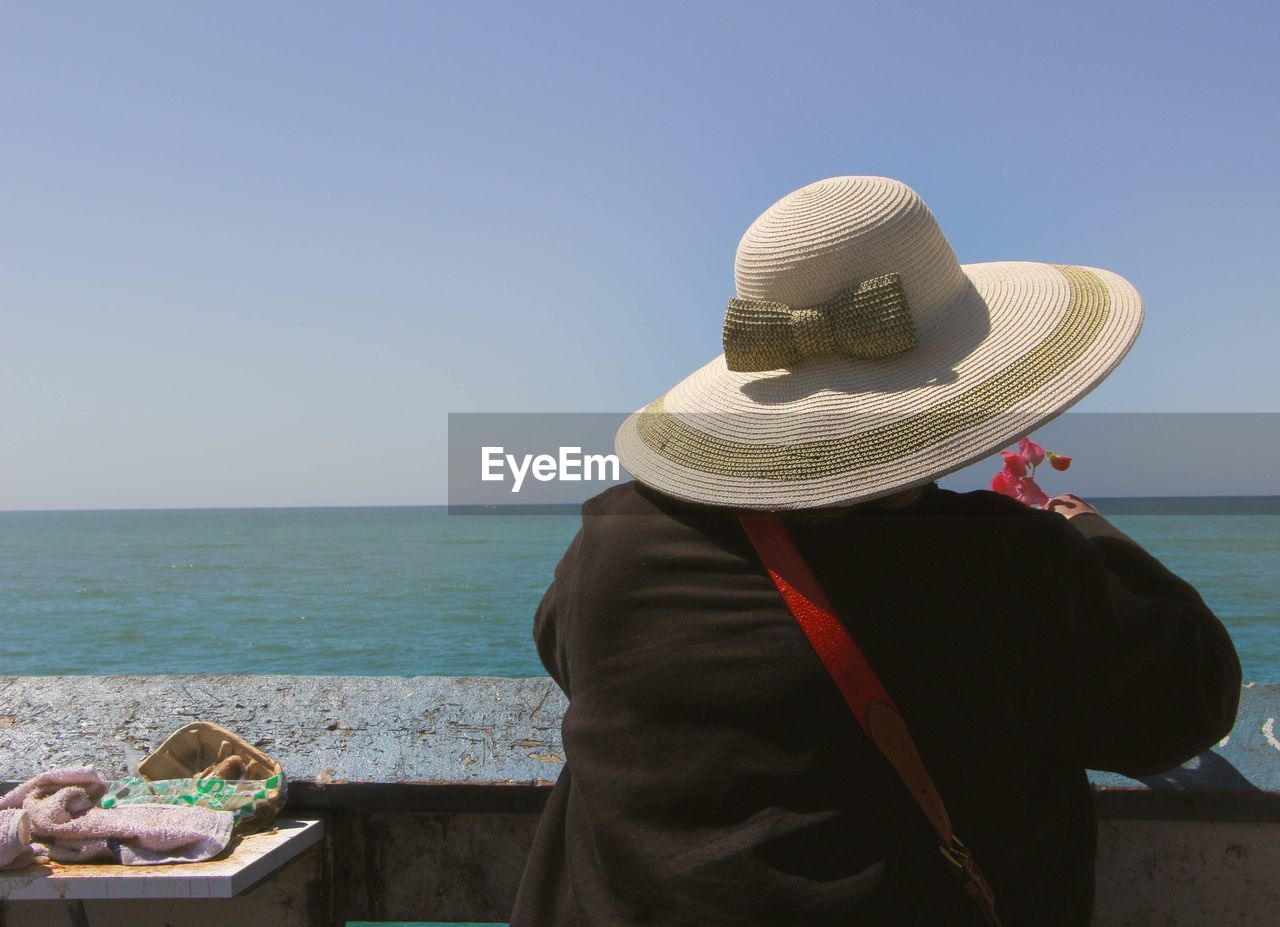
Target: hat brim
{"x":1025,"y":343}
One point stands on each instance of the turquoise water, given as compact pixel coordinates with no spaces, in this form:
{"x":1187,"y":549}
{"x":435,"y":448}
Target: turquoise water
{"x":405,"y":591}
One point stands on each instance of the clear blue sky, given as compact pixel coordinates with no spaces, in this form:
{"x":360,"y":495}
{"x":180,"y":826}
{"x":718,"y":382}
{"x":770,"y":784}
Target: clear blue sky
{"x":253,"y":254}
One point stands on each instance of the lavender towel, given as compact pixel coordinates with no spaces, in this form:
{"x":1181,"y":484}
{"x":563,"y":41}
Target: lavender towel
{"x":63,"y":817}
{"x":15,"y":839}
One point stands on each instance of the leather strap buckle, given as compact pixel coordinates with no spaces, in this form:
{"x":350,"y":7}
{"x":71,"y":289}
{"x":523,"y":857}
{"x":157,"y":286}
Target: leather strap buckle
{"x":957,"y":854}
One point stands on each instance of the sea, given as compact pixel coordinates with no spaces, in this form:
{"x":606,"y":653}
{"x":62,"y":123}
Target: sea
{"x":422,"y":590}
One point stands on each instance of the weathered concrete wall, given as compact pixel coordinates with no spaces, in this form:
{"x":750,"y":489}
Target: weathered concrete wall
{"x":1175,"y":873}
{"x":465,"y":867}
{"x":431,"y":788}
{"x":392,"y":866}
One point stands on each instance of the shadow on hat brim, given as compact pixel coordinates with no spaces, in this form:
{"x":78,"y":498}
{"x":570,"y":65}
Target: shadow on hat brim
{"x":1022,"y":346}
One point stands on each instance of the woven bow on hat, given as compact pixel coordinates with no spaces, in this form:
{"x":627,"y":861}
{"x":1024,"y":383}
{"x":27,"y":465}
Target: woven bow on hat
{"x":871,"y":319}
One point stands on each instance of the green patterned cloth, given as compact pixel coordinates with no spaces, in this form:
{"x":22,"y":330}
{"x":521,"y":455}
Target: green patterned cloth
{"x":247,"y":799}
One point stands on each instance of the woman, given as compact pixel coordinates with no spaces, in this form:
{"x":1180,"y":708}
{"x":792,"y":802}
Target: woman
{"x":714,"y":774}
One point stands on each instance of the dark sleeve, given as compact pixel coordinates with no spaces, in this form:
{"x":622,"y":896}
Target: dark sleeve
{"x":547,"y":631}
{"x":1129,"y":669}
{"x":1093,"y":525}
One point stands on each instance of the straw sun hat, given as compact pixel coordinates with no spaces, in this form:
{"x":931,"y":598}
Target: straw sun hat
{"x":862,"y":358}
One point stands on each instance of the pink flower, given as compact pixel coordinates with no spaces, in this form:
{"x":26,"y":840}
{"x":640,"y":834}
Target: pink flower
{"x":1015,"y":465}
{"x":1029,"y":491}
{"x":1017,"y":477}
{"x":1002,"y":483}
{"x":1031,"y":452}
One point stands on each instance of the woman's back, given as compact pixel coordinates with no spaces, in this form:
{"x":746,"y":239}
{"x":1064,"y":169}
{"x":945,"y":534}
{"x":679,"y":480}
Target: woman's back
{"x":714,"y":776}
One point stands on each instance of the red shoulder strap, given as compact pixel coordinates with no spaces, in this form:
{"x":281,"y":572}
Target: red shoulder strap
{"x":862,"y":690}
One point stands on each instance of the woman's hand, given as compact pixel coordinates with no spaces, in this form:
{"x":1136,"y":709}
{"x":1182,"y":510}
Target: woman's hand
{"x":1069,"y":505}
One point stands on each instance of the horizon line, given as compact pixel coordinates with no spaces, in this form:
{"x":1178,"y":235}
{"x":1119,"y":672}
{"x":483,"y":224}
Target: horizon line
{"x":495,"y":506}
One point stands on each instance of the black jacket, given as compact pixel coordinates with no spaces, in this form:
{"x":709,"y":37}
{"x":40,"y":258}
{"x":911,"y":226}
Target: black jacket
{"x":714,"y":776}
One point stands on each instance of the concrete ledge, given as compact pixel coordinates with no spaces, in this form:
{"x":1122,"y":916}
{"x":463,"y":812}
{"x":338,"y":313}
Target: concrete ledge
{"x":437,"y":743}
{"x":430,"y":788}
{"x":326,"y":729}
{"x":1238,"y":780}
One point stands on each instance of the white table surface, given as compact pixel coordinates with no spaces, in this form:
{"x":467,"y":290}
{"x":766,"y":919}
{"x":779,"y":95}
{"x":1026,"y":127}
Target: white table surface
{"x":247,"y":861}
